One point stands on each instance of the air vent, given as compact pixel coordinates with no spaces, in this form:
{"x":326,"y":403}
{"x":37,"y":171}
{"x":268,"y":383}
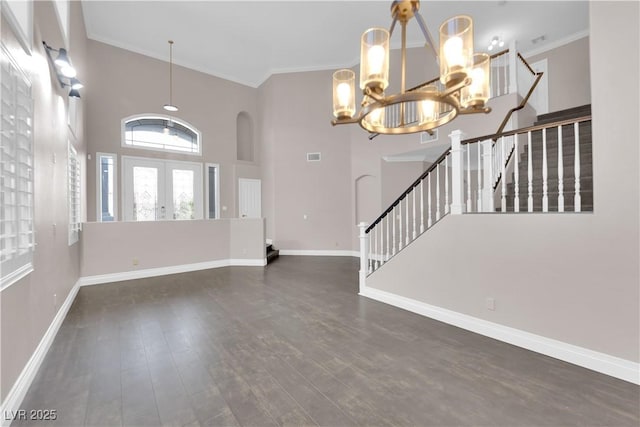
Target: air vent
{"x":425,"y":137}
{"x":313,"y":157}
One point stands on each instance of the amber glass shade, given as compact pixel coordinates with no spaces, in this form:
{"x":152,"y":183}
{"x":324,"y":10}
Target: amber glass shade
{"x":344,"y":94}
{"x":456,"y":49}
{"x":374,"y":59}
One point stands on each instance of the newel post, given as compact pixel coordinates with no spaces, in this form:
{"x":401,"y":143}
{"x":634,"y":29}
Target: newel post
{"x":457,"y":173}
{"x":364,"y":256}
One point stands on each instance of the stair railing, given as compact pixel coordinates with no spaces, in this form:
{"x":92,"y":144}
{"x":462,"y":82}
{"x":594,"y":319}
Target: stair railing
{"x":461,"y":181}
{"x":561,"y":139}
{"x":424,"y":203}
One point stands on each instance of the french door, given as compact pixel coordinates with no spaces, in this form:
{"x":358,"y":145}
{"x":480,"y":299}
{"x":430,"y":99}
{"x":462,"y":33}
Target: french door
{"x":160,"y":190}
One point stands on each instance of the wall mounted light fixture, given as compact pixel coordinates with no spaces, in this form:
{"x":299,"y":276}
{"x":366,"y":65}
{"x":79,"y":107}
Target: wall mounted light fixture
{"x":65,"y":72}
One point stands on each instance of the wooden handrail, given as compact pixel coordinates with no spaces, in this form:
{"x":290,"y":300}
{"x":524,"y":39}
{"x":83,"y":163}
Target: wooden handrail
{"x":411,"y":187}
{"x":528,"y":129}
{"x":524,"y":61}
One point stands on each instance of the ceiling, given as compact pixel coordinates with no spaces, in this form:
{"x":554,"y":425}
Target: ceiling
{"x":247,"y":41}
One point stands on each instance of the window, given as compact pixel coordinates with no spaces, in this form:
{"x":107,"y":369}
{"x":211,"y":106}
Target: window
{"x":73,"y":194}
{"x":213,"y":190}
{"x":156,"y":189}
{"x":106,"y":187}
{"x":16,"y":173}
{"x":160,"y":133}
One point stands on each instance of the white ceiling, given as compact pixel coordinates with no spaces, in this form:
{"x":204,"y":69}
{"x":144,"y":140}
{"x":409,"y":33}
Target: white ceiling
{"x":247,"y":41}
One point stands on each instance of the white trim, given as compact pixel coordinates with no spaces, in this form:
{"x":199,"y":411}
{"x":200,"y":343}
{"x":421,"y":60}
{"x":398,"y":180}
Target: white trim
{"x":123,"y":139}
{"x":114,"y":156}
{"x":174,"y":269}
{"x":596,"y":361}
{"x":247,"y":262}
{"x":206,"y":189}
{"x":23,"y":35}
{"x":16,"y":275}
{"x":269,"y":241}
{"x":63,"y":21}
{"x":556,"y":44}
{"x":14,"y":399}
{"x":309,"y":252}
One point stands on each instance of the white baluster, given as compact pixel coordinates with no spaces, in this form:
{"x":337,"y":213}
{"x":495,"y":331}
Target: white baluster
{"x":393,"y":231}
{"x":545,"y":196}
{"x":469,"y":205}
{"x":415,"y":230}
{"x":370,"y":257}
{"x":446,"y":185}
{"x":488,"y":180}
{"x":375,"y":247}
{"x":577,"y":198}
{"x":516,"y":176}
{"x":560,"y":173}
{"x":429,"y":221}
{"x":406,"y":214}
{"x":400,"y":225}
{"x":364,"y":259}
{"x":503,"y":174}
{"x":479,"y":196}
{"x":421,"y":206}
{"x":387,"y":251}
{"x":529,"y":175}
{"x":380,"y":257}
{"x":438,"y":192}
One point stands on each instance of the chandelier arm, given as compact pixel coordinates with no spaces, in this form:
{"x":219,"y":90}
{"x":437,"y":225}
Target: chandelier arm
{"x":371,"y":94}
{"x":455,"y":88}
{"x":393,"y":26}
{"x":427,"y":35}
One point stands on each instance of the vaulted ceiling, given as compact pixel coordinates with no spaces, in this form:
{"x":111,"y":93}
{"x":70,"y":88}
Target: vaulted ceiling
{"x":247,"y":41}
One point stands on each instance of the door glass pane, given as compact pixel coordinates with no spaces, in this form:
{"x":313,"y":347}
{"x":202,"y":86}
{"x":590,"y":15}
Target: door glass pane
{"x":183,"y":201}
{"x":212,"y":192}
{"x":145,"y":193}
{"x":107,"y":188}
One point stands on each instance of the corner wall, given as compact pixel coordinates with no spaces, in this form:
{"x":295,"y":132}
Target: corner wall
{"x":29,"y":306}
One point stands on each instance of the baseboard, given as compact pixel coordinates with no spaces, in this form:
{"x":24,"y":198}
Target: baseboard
{"x":307,"y":252}
{"x":248,"y":262}
{"x":163,"y":271}
{"x":17,"y":393}
{"x":600,"y":362}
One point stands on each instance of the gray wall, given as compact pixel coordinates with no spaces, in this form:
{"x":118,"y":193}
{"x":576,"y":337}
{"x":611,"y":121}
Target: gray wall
{"x":109,"y":248}
{"x":569,"y":74}
{"x":123,"y":83}
{"x":295,"y":119}
{"x":569,"y":277}
{"x":27,"y":306}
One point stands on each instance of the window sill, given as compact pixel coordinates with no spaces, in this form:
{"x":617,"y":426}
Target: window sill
{"x":17,"y":275}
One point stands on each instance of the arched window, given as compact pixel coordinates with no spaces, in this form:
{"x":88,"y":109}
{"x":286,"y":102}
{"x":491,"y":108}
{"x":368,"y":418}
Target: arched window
{"x":157,"y":132}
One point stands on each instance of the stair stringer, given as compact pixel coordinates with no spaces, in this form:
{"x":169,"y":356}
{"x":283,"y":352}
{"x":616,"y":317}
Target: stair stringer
{"x":447,"y":274}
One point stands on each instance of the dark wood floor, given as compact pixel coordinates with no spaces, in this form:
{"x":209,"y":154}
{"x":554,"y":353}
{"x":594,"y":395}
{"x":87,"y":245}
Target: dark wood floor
{"x":293,"y":344}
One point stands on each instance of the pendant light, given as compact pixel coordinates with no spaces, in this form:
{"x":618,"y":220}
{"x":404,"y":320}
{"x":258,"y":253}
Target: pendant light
{"x":170,"y":106}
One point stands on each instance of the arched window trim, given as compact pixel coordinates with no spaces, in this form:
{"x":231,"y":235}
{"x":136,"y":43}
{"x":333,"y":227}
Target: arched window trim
{"x":183,"y":123}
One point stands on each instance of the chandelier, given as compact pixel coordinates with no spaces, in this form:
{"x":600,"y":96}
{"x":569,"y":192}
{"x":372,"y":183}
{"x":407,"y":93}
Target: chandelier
{"x":462,"y":87}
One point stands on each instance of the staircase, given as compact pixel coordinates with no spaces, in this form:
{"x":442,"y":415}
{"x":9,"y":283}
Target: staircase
{"x":568,"y":165}
{"x":272,"y":253}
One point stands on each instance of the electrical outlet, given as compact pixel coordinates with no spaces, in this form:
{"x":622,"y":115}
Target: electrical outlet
{"x":491,"y":304}
{"x":135,"y":261}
